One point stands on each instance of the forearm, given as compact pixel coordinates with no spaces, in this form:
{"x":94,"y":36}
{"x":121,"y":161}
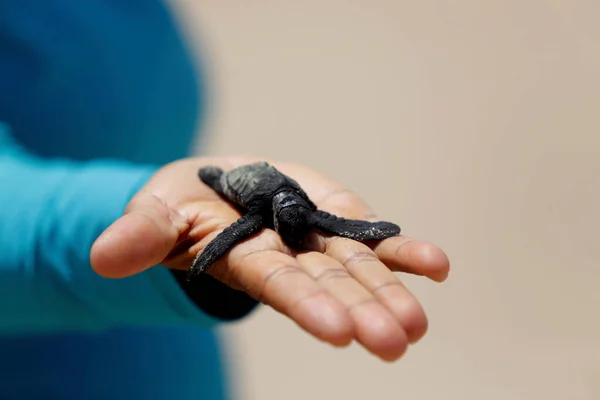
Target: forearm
{"x":50,"y":214}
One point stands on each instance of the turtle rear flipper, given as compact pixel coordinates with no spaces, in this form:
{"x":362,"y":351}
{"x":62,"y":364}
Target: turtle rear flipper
{"x":212,"y":177}
{"x":352,"y":228}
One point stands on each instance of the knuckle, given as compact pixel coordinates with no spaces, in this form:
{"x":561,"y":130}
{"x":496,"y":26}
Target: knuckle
{"x":360,"y":257}
{"x":261,"y":292}
{"x":361,"y":303}
{"x":332,"y":274}
{"x":402,"y":247}
{"x":243,"y":258}
{"x":278,"y":272}
{"x":235,"y":270}
{"x":228,"y":273}
{"x":299,"y":302}
{"x":377,"y":288}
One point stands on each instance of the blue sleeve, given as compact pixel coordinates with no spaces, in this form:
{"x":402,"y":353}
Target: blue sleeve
{"x":51,"y":211}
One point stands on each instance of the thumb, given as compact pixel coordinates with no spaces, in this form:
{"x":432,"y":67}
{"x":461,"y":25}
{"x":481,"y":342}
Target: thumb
{"x":139,"y":240}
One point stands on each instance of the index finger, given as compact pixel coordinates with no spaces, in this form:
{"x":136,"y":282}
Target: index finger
{"x":400,"y":253}
{"x":405,"y":254}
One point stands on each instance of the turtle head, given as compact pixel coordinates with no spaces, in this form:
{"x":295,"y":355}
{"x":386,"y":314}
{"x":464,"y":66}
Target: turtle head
{"x":292,"y":218}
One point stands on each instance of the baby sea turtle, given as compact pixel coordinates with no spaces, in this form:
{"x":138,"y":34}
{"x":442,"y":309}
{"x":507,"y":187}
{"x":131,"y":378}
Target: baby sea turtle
{"x":270,"y":199}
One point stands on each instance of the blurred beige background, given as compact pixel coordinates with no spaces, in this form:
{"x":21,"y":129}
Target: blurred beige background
{"x":475,"y":125}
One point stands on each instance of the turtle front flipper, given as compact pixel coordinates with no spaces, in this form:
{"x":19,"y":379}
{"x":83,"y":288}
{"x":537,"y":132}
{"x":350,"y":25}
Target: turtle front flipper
{"x":352,"y":228}
{"x":242,"y":229}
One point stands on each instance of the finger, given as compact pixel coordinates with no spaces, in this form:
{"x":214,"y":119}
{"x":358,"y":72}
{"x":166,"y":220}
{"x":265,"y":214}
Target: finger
{"x":376,"y":328}
{"x":208,"y":219}
{"x":412,"y":256}
{"x":400,"y":253}
{"x":364,"y":266}
{"x":276,"y":279}
{"x":138,"y":240}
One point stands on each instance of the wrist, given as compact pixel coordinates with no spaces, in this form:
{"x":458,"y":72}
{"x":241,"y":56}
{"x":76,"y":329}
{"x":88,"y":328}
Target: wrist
{"x":214,"y":297}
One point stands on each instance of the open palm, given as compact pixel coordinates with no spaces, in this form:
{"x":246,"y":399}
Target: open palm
{"x":338,"y":291}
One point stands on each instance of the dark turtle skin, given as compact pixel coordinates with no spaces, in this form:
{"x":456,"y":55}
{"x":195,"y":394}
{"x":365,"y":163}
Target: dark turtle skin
{"x":270,"y":199}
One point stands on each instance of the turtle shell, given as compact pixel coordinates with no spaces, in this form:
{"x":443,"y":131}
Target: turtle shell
{"x":253,"y":184}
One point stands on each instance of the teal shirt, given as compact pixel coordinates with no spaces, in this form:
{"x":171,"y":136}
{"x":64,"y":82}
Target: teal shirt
{"x":94,"y":96}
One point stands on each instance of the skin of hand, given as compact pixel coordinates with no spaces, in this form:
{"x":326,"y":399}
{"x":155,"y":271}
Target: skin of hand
{"x":339,"y":290}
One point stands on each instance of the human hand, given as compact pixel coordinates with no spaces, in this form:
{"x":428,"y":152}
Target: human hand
{"x":339,"y":291}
